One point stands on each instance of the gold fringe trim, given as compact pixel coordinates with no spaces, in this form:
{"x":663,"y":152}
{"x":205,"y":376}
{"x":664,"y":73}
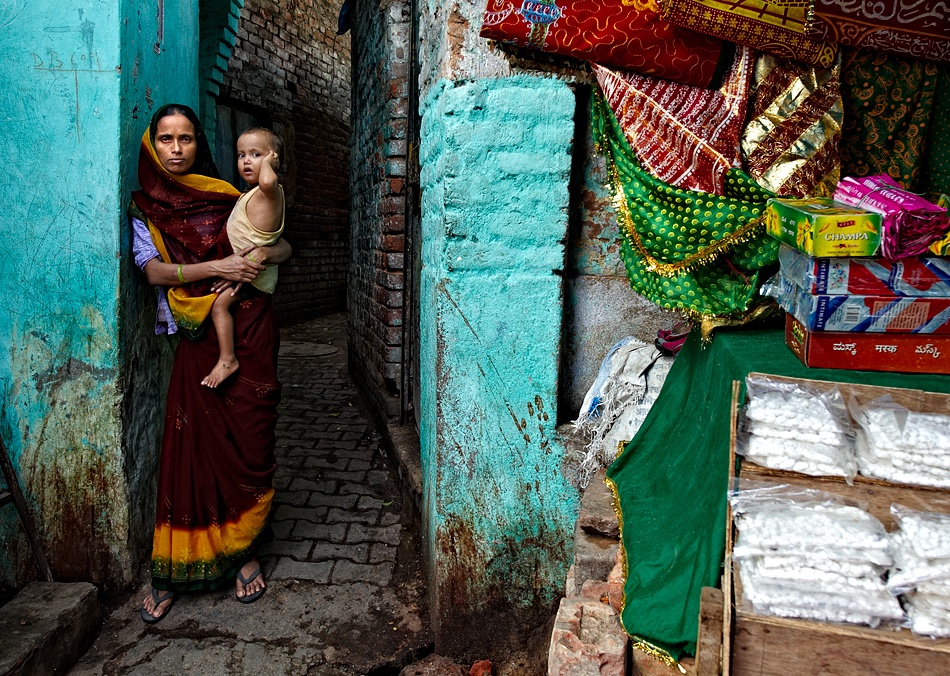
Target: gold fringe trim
{"x":641,"y":644}
{"x":699,"y":259}
{"x":707,"y":322}
{"x":656,"y":653}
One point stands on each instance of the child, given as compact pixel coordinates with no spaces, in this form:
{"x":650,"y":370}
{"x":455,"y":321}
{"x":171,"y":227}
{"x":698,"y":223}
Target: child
{"x":258,"y":220}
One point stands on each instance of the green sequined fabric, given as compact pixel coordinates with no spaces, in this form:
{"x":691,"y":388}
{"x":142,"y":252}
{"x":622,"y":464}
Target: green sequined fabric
{"x":695,"y":252}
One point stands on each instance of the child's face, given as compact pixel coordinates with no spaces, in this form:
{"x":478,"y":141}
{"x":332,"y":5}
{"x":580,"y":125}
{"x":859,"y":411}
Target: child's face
{"x":252,"y":149}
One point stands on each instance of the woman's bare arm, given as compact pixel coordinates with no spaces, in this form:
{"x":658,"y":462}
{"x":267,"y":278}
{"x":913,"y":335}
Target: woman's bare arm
{"x":276,"y":254}
{"x":235,"y":268}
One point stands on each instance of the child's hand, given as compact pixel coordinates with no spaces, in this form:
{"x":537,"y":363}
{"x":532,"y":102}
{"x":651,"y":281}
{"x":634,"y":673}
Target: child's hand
{"x":274,"y":160}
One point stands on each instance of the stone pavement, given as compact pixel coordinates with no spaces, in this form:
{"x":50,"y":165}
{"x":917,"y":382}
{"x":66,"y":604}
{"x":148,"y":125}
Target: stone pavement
{"x":345,"y":589}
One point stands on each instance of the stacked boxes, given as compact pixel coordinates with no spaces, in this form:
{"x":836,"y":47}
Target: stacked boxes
{"x":847,"y":309}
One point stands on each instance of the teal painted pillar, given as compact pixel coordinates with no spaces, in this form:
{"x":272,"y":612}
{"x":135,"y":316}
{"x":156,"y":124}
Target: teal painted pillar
{"x":495,"y":165}
{"x":81,"y":371}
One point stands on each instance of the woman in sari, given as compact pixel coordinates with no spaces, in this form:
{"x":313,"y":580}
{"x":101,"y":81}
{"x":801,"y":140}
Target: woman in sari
{"x":217,"y":461}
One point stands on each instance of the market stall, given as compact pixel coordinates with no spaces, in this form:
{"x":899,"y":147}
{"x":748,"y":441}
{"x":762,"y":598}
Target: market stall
{"x":764,"y":141}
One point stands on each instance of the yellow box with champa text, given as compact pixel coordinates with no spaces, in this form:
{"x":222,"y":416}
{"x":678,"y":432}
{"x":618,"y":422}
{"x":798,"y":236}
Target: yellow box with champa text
{"x":823,"y":228}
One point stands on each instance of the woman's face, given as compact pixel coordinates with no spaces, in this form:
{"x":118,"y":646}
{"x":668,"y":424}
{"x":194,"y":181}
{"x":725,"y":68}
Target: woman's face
{"x":175,"y":143}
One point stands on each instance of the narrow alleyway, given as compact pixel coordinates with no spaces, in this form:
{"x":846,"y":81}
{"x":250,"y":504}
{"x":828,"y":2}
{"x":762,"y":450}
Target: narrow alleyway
{"x":345,"y":593}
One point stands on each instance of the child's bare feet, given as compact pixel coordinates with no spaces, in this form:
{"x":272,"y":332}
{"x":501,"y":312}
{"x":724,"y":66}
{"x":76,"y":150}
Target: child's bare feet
{"x":224,"y":369}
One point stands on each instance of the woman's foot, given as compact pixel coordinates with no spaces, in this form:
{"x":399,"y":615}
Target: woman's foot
{"x":156,"y":605}
{"x":249,"y":583}
{"x":224,"y":369}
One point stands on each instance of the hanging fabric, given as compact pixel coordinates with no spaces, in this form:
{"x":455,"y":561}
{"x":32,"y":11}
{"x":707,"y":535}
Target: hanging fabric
{"x":792,"y":137}
{"x":625,"y":34}
{"x":888,"y":102}
{"x":685,"y":136}
{"x":685,"y":250}
{"x":773,"y":26}
{"x":919,"y":29}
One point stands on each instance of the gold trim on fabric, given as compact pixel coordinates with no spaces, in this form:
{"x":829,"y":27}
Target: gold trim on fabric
{"x":696,"y":260}
{"x":640,"y":643}
{"x":656,"y":653}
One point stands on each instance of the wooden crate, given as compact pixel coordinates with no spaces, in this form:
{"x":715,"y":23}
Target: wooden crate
{"x":757,"y":645}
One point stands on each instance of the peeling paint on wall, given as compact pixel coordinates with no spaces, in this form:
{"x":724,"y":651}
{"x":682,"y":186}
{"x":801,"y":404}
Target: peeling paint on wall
{"x":70,"y":124}
{"x":499,"y":515}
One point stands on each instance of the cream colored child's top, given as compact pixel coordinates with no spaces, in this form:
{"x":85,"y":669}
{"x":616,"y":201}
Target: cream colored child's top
{"x":243,"y":234}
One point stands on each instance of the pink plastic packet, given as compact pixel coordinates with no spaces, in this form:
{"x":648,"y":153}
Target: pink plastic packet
{"x":909,"y":223}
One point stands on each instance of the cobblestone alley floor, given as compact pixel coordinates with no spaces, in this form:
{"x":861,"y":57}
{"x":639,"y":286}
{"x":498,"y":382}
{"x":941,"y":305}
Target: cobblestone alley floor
{"x":345,"y":590}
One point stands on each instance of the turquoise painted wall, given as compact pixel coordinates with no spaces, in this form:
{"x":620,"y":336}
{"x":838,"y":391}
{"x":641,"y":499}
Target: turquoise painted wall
{"x":77,"y":87}
{"x":159,"y":65}
{"x":499,"y":515}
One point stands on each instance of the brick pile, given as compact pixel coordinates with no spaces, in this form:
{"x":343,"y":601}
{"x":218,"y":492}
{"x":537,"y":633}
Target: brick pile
{"x":289,"y":64}
{"x":380,"y":120}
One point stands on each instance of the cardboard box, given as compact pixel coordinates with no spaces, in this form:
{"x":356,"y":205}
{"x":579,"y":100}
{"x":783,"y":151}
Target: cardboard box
{"x":823,"y":228}
{"x":898,"y":352}
{"x":862,"y":314}
{"x":920,"y":277}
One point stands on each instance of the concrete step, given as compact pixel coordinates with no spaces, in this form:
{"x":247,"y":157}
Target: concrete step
{"x":47,"y":626}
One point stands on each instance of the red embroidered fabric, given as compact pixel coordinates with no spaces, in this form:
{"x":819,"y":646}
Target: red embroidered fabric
{"x":685,"y":136}
{"x":624,"y":34}
{"x":919,"y":29}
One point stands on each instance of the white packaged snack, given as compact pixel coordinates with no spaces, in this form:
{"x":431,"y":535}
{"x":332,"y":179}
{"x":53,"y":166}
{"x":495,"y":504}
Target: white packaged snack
{"x":794,"y":427}
{"x":811,"y":555}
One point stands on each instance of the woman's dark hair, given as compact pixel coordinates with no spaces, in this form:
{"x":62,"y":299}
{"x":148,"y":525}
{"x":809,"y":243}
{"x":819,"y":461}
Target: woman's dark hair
{"x":204,"y":159}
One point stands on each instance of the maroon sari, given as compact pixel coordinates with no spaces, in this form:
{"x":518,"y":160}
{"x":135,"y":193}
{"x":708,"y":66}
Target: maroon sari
{"x":217,"y":464}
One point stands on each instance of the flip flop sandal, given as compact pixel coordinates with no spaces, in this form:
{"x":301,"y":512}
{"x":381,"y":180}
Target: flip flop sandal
{"x":158,"y":600}
{"x":249,"y":598}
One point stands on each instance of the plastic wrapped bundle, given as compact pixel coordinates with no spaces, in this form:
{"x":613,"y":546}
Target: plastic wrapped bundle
{"x":789,"y":426}
{"x":910,"y":224}
{"x":808,"y":554}
{"x":899,"y":445}
{"x":921,"y":569}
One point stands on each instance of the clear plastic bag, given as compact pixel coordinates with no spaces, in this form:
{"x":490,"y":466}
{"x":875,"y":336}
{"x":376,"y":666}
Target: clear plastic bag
{"x":792,"y":426}
{"x":921,"y":551}
{"x":896,"y":444}
{"x":810,"y":554}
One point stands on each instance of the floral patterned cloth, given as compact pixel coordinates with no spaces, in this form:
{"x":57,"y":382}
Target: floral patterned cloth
{"x":888,"y":102}
{"x":625,"y":34}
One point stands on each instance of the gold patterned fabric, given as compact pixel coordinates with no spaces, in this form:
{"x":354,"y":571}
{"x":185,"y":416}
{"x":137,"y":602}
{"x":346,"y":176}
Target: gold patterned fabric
{"x":888,"y":102}
{"x":773,"y":26}
{"x":791,"y":140}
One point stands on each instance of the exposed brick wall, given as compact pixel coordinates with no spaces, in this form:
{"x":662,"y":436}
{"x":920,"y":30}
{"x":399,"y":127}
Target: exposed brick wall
{"x":289,"y":63}
{"x":378,"y":147}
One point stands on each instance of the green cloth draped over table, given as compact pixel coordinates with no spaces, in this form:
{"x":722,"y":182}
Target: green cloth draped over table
{"x":670,"y":481}
{"x":685,"y":250}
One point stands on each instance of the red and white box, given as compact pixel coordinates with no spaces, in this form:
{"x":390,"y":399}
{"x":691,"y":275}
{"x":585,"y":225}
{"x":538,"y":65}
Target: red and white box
{"x":898,"y":352}
{"x":919,"y":277}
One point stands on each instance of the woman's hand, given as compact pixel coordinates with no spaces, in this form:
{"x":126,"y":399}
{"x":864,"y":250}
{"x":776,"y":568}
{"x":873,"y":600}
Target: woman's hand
{"x":238,"y":267}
